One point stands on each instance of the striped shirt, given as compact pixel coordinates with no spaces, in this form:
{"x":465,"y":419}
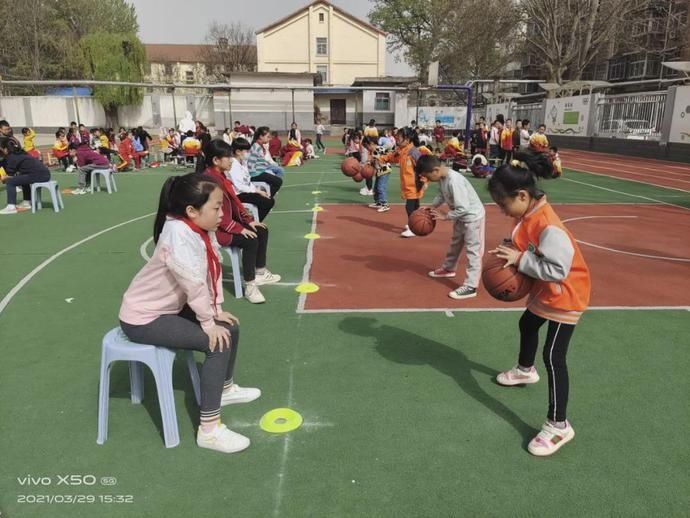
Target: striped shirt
{"x":257,"y":162}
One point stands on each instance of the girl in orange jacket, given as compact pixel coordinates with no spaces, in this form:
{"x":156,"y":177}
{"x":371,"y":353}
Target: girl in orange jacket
{"x":544,"y":249}
{"x":412,"y":187}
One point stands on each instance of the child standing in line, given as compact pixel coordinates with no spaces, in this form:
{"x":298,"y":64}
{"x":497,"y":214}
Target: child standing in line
{"x":320,"y":130}
{"x":546,"y":251}
{"x":507,"y":142}
{"x":175,"y":301}
{"x":439,"y":135}
{"x":539,"y":142}
{"x":411,"y":186}
{"x":468,"y":216}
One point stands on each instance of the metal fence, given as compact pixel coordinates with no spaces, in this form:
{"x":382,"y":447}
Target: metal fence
{"x":533,"y":112}
{"x":630,"y":116}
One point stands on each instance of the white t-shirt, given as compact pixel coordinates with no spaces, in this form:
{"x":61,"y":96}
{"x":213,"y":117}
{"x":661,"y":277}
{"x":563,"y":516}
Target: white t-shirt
{"x":524,"y":138}
{"x":240,"y":177}
{"x":320,"y":129}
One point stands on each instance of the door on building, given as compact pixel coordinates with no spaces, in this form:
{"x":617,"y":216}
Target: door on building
{"x":337,"y":111}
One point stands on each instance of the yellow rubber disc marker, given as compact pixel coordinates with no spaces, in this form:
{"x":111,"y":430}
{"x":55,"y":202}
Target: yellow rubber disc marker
{"x":307,"y":287}
{"x":280,"y":420}
{"x":311,"y":236}
{"x":316,"y":192}
{"x":317,"y":209}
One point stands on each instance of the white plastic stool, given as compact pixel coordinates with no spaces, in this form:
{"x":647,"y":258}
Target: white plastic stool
{"x":55,"y":195}
{"x":253,"y":209}
{"x":116,"y":346}
{"x":107,"y":174}
{"x":234,"y":253}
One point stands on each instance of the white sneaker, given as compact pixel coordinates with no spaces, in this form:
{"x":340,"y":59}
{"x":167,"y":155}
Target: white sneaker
{"x":237,"y":394}
{"x":10,"y":209}
{"x":370,"y":192}
{"x":463,"y":292}
{"x":517,"y":376}
{"x":364,"y":191}
{"x":374,"y":205}
{"x":24,"y":205}
{"x":222,"y":439}
{"x":550,"y":439}
{"x":252,"y":293}
{"x":384,"y":207}
{"x":266,"y":278}
{"x":407,"y":232}
{"x":79,"y":190}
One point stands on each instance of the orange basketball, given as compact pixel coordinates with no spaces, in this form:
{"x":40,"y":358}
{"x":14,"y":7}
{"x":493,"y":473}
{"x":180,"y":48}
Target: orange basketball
{"x":368,"y":171}
{"x":506,"y":284}
{"x":421,"y":222}
{"x":350,"y":166}
{"x":358,"y":177}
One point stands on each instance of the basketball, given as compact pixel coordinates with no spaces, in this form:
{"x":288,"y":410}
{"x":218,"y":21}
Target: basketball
{"x":421,"y":222}
{"x":506,"y":284}
{"x":358,"y":177}
{"x":350,"y":167}
{"x":368,"y":171}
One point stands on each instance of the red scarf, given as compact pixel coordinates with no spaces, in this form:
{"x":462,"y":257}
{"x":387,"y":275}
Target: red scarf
{"x":214,"y":269}
{"x":229,"y":192}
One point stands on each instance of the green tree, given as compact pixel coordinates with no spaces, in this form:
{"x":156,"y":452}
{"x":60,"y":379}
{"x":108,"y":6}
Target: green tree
{"x":114,"y":57}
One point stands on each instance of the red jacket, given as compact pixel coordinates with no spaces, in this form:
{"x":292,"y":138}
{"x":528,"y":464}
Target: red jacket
{"x":235,"y":217}
{"x":274,"y":146}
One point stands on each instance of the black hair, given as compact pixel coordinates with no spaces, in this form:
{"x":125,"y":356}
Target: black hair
{"x":190,"y":133}
{"x":4,"y":123}
{"x":542,"y":125}
{"x":274,"y":133}
{"x":72,"y":146}
{"x":59,"y":132}
{"x":525,"y":122}
{"x":178,"y":193}
{"x":508,"y":179}
{"x":11,"y":145}
{"x":237,"y":122}
{"x":426,"y":164}
{"x":409,"y":134}
{"x":554,"y":149}
{"x":372,"y":122}
{"x":368,"y":141}
{"x":217,"y":148}
{"x":73,"y":123}
{"x":25,"y":131}
{"x":457,"y":132}
{"x":240,"y":144}
{"x":477,"y":161}
{"x":260,"y":132}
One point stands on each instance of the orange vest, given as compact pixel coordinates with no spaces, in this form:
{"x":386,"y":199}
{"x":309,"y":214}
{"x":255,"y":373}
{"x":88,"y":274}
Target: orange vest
{"x":408,"y":184}
{"x":562,"y":301}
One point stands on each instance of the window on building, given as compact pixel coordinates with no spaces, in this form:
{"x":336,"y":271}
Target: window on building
{"x":617,"y":69}
{"x":383,"y":101}
{"x":189,"y":76}
{"x":322,"y":70}
{"x":168,"y":69}
{"x":322,"y":17}
{"x":322,"y":46}
{"x":636,"y":69}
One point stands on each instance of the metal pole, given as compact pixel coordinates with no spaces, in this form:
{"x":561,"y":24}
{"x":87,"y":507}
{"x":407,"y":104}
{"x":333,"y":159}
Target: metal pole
{"x":76,"y":105}
{"x":172,"y":91}
{"x":293,"y":105}
{"x":416,"y":117}
{"x":230,"y":108}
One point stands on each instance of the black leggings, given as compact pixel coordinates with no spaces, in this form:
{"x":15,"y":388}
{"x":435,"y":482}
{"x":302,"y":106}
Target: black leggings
{"x":253,"y":252}
{"x":369,"y":182}
{"x":262,"y":203}
{"x":274,"y":181}
{"x":411,"y":206}
{"x":319,"y":144}
{"x":555,"y":350}
{"x":183,"y":331}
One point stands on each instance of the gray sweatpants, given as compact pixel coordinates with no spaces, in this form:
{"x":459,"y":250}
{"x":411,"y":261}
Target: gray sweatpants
{"x":184,"y":332}
{"x":471,"y":236}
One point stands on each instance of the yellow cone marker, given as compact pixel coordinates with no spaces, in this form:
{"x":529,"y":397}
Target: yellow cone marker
{"x":307,"y":287}
{"x":312,"y":236}
{"x":317,"y":209}
{"x":280,"y":420}
{"x":316,"y":192}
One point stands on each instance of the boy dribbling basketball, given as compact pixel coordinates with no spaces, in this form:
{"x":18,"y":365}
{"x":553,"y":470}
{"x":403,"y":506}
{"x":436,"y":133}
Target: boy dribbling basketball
{"x":467,"y":213}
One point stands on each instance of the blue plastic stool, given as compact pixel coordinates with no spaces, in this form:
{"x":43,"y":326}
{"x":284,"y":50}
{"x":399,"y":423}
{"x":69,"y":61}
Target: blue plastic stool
{"x":107,"y":175}
{"x":55,"y":195}
{"x":116,"y":346}
{"x":234,"y":254}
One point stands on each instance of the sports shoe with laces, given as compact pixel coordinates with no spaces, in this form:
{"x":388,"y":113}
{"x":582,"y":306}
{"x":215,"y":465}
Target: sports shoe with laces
{"x":266,"y":278}
{"x":516,"y":376}
{"x":441,"y":273}
{"x":463,"y":292}
{"x":222,"y":439}
{"x":252,"y":293}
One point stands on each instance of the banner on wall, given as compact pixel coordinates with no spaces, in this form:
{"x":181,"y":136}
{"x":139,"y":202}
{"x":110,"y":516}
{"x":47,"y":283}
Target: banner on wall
{"x":568,"y":115}
{"x":451,"y":117}
{"x":493,"y":110}
{"x":680,"y":123}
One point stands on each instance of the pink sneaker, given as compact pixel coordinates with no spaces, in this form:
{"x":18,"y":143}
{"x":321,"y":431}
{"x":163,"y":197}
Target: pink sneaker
{"x":550,"y":439}
{"x":441,"y":273}
{"x":517,"y":376}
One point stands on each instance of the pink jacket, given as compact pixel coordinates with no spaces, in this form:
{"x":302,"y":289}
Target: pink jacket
{"x":176,"y":275}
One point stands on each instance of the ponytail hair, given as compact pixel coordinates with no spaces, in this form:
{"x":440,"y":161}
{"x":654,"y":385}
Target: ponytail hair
{"x":260,"y":132}
{"x":520,"y":174}
{"x":409,"y":134}
{"x":216,"y":148}
{"x":178,"y":193}
{"x":11,"y":145}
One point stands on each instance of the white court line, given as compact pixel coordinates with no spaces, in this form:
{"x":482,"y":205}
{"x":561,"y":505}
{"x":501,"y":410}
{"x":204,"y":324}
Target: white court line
{"x":622,"y":179}
{"x":449,"y":314}
{"x":306,"y":425}
{"x":142,"y":249}
{"x":484,"y":310}
{"x":624,"y":193}
{"x":314,"y":183}
{"x":291,"y":211}
{"x":286,"y":448}
{"x":627,"y":168}
{"x":8,"y":298}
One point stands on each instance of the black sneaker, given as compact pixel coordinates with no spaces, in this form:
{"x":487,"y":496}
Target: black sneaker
{"x":463,"y":292}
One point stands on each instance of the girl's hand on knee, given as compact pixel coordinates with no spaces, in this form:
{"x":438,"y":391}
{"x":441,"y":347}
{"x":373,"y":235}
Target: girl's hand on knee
{"x":257,"y":224}
{"x":248,"y":233}
{"x":218,"y":337}
{"x":228,"y":318}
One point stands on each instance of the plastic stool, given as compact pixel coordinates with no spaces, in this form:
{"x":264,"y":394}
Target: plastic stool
{"x":253,"y":209}
{"x":116,"y":346}
{"x":263,"y":185}
{"x":107,"y":174}
{"x":234,"y":254}
{"x":55,"y":195}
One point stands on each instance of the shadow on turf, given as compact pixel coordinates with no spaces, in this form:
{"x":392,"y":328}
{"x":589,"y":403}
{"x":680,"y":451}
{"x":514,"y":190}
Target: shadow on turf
{"x":407,"y":348}
{"x":383,"y":263}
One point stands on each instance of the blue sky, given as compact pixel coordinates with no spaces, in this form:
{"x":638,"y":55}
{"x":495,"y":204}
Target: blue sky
{"x":173,"y":21}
